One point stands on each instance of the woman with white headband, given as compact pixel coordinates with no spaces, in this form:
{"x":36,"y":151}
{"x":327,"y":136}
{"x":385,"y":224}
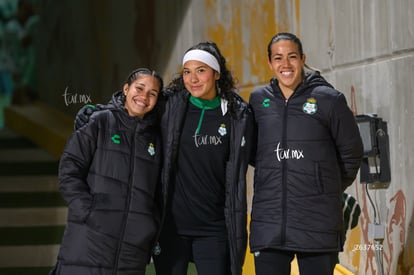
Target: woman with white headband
{"x":207,"y":130}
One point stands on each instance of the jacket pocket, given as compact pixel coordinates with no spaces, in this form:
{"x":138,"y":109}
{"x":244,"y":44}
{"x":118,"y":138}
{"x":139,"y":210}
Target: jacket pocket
{"x":79,"y":209}
{"x":318,"y":178}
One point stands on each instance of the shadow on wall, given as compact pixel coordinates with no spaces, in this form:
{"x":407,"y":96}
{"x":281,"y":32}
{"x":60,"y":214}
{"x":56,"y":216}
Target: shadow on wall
{"x":86,"y":49}
{"x":83,"y":52}
{"x":168,"y":19}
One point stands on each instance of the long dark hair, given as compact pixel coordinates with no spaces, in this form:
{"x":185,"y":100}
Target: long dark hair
{"x":226,"y":84}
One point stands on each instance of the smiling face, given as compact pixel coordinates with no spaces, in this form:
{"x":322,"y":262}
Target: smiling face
{"x":287,"y":64}
{"x":200,"y":79}
{"x":141,"y":95}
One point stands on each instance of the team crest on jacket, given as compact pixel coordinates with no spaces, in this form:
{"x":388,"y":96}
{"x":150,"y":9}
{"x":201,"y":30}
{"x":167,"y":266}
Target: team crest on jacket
{"x":151,"y":149}
{"x":310,"y":106}
{"x":222,"y":129}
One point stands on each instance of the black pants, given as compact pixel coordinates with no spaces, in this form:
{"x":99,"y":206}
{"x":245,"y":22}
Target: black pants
{"x":277,"y":262}
{"x":210,"y":255}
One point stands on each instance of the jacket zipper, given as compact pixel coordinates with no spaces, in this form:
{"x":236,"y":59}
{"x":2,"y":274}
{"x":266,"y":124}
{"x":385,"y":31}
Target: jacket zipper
{"x":157,"y":249}
{"x":231,"y":217}
{"x":284,"y":180}
{"x":121,"y":237}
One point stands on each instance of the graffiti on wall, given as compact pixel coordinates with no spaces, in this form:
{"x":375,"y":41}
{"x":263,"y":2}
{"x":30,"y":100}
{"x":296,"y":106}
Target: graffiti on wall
{"x":397,"y":248}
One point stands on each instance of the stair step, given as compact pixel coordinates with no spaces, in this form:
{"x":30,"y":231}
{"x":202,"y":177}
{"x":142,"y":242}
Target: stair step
{"x":32,"y":212}
{"x":33,"y":235}
{"x":28,"y":168}
{"x":45,"y":216}
{"x":27,"y":161}
{"x":25,"y":271}
{"x":41,"y":183}
{"x":30,"y":199}
{"x":25,"y":155}
{"x":28,"y":256}
{"x":45,"y":126}
{"x":15,"y":143}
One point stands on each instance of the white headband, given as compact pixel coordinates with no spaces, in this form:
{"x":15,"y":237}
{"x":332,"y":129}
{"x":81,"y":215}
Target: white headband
{"x":202,"y":56}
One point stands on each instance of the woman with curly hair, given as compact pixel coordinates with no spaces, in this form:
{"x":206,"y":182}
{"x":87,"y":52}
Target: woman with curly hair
{"x":206,"y":133}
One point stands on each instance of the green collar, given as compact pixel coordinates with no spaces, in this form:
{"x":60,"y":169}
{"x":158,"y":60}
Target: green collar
{"x":204,"y":104}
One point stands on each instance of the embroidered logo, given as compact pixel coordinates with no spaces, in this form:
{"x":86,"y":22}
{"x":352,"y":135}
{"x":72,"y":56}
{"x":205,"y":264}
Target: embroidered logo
{"x":151,"y":149}
{"x":265,"y":103}
{"x":222,"y":129}
{"x":116,"y":139}
{"x":310,"y":106}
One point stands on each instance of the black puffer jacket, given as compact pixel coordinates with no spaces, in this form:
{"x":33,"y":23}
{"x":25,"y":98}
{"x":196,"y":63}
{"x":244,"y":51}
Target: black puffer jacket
{"x":108,"y":175}
{"x":309,"y":150}
{"x":240,"y":147}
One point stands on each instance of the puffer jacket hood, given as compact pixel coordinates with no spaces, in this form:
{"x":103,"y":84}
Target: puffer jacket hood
{"x":118,"y":102}
{"x":311,"y":80}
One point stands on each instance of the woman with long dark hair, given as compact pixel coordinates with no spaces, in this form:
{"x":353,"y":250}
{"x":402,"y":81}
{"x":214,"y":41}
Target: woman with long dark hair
{"x":207,"y":136}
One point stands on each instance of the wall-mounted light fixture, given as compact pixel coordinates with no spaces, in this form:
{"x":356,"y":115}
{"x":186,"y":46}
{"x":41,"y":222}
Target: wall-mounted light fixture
{"x":375,"y":166}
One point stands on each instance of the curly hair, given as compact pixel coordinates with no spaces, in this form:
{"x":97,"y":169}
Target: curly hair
{"x":226,"y":84}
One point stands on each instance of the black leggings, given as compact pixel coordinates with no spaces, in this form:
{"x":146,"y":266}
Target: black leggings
{"x":277,"y":262}
{"x":210,"y":255}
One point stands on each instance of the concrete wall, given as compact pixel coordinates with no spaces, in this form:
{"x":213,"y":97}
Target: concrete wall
{"x":362,"y":45}
{"x":369,"y":46}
